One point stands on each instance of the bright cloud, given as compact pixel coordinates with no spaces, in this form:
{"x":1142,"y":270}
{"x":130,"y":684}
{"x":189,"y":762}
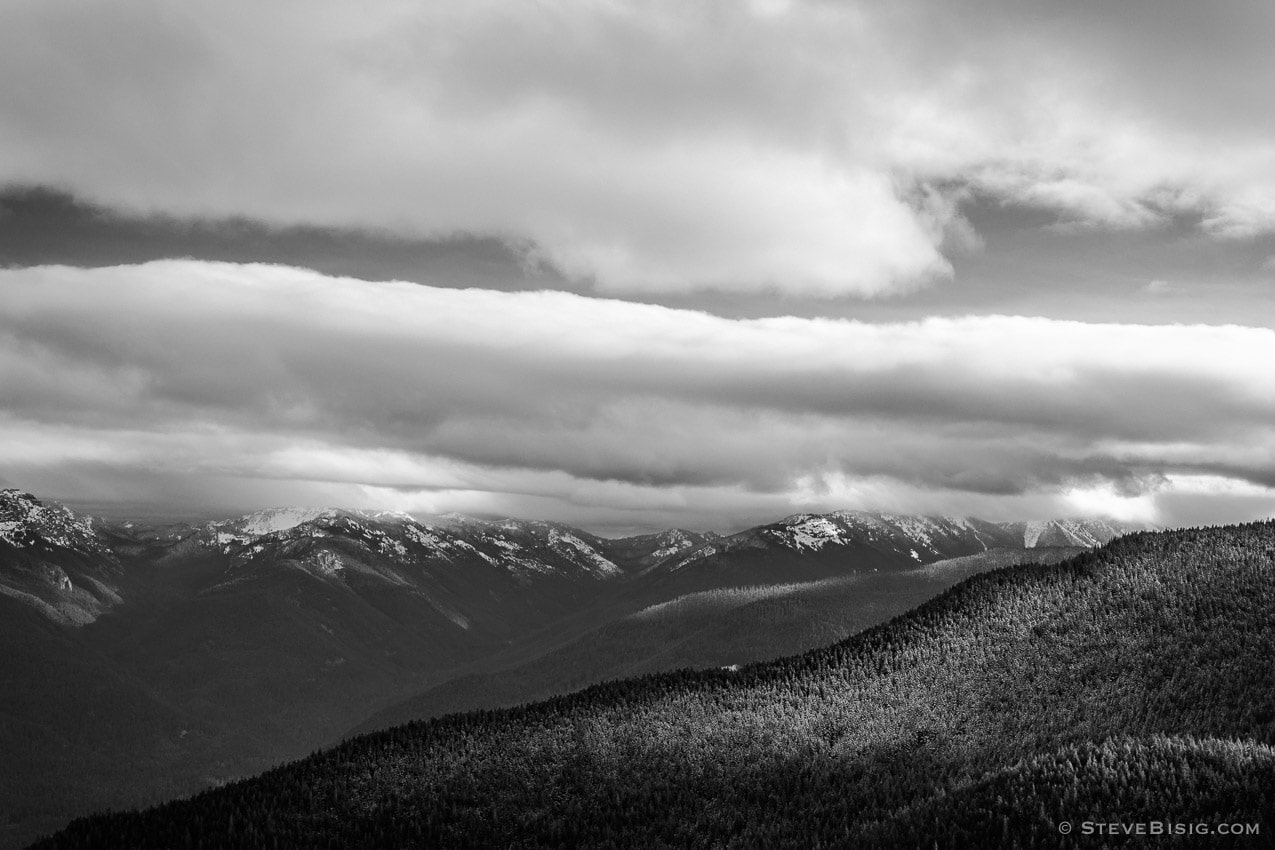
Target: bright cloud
{"x":1106,"y":500}
{"x":806,"y":148}
{"x":610,"y":411}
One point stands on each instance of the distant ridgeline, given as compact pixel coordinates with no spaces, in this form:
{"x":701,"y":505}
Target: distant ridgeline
{"x":1133,"y":683}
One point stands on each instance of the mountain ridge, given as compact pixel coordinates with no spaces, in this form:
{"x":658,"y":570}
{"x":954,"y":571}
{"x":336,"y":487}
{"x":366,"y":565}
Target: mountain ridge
{"x":385,"y":544}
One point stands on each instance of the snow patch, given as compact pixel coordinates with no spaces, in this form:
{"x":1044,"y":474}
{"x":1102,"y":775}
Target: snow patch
{"x":812,"y":532}
{"x":696,"y":555}
{"x":920,"y":529}
{"x":424,"y":537}
{"x":278,"y":519}
{"x":26,"y":522}
{"x":574,"y":548}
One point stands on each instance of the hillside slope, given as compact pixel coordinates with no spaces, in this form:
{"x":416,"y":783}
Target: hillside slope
{"x":1154,"y":637}
{"x":714,"y":628}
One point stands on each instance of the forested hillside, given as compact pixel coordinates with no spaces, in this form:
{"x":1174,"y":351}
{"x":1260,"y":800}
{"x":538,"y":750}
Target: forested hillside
{"x":1130,"y":682}
{"x":716,"y":628}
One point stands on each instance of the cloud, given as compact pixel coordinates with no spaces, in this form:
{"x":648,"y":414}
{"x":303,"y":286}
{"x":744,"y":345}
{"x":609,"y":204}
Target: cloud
{"x":803,"y":148}
{"x":600,"y":409}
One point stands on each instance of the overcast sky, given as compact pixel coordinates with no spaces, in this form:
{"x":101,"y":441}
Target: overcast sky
{"x":632,"y":265}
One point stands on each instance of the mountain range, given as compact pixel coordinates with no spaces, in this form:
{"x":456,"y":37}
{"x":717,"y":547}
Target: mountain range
{"x":144,"y":660}
{"x":72,"y":568}
{"x":1126,"y":685}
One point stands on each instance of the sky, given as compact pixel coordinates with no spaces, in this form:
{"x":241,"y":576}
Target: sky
{"x":639,"y":265}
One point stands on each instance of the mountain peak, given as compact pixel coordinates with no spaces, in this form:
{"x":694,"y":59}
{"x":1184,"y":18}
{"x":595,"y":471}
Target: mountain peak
{"x":25,"y":521}
{"x":386,"y":516}
{"x":63,"y":571}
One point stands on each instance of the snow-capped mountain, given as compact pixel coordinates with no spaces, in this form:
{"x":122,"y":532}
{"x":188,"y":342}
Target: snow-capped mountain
{"x":914,"y":539}
{"x":395,"y":547}
{"x":265,"y":522}
{"x":70,"y":566}
{"x":647,"y":550}
{"x":911,"y":539}
{"x":1069,"y":532}
{"x":538,"y":547}
{"x":53,"y":560}
{"x":28,"y":523}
